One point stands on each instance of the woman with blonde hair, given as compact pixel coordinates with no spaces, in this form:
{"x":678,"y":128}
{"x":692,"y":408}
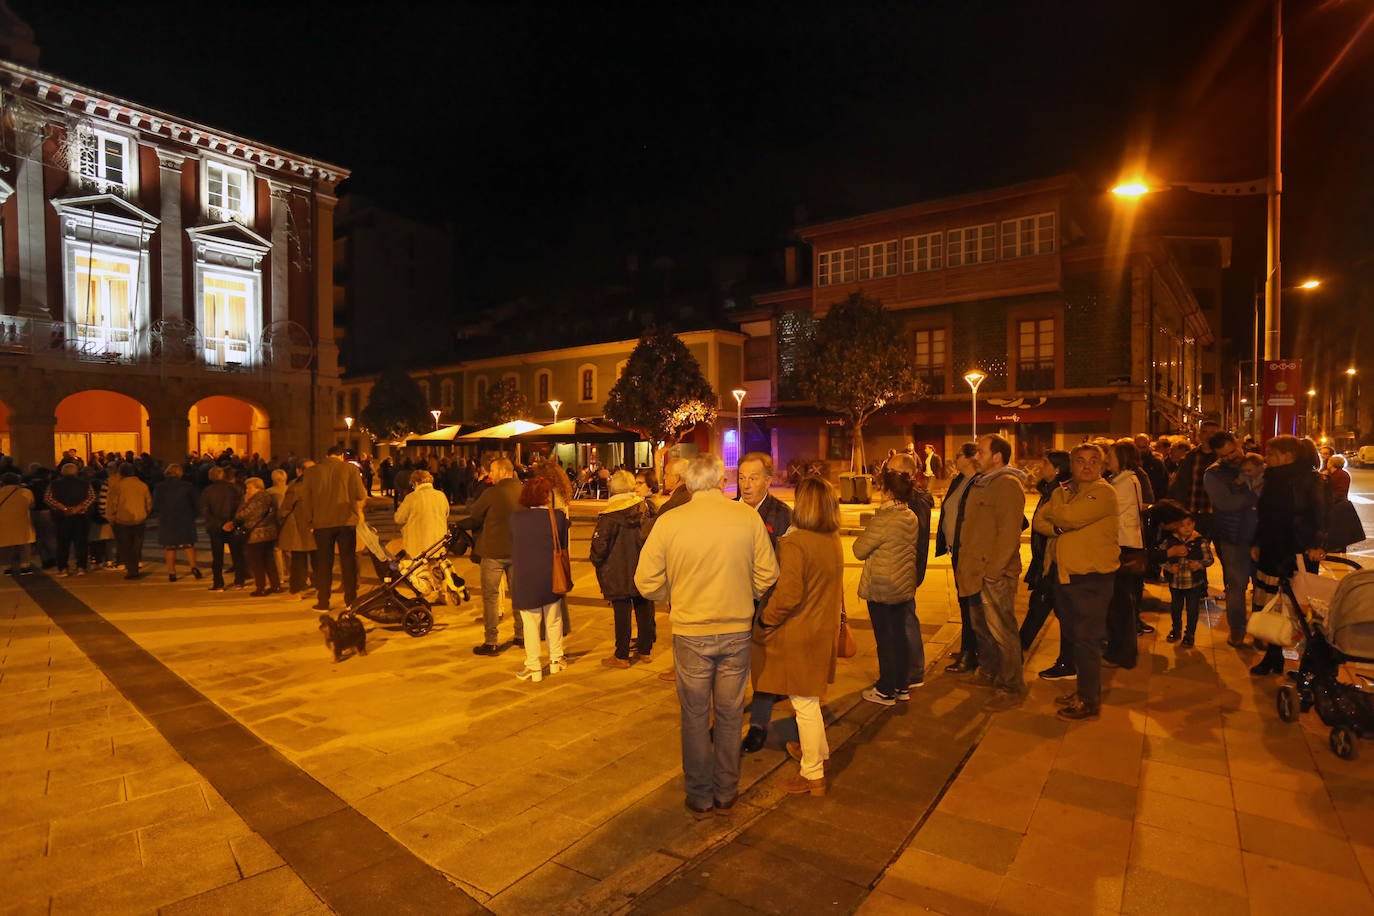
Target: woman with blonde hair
{"x":795,"y":633}
{"x":258,"y":514}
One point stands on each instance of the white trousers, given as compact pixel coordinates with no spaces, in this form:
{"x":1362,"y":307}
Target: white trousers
{"x":811,"y":730}
{"x":552,"y":615}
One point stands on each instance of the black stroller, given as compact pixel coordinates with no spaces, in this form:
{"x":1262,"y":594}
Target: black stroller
{"x":412,"y":585}
{"x":1336,"y":674}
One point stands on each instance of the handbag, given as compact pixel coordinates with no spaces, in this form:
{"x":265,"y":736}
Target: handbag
{"x":1135,"y":560}
{"x":1274,"y":623}
{"x":562,"y":563}
{"x":846,"y":646}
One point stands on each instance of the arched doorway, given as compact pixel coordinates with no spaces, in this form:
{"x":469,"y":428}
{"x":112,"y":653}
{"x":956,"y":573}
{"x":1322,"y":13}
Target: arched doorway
{"x":219,"y":422}
{"x":100,"y":421}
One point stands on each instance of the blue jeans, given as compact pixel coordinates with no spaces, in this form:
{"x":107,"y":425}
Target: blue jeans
{"x":712,"y":673}
{"x":1236,"y":569}
{"x":889,"y":637}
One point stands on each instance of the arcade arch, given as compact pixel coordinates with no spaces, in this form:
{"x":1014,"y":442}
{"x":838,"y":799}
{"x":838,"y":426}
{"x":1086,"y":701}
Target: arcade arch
{"x":97,"y":420}
{"x":219,"y":422}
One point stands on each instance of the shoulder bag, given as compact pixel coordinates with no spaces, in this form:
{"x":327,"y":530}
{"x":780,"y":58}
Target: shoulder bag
{"x":846,"y":646}
{"x":1276,"y":624}
{"x":1135,"y":560}
{"x":562,"y":564}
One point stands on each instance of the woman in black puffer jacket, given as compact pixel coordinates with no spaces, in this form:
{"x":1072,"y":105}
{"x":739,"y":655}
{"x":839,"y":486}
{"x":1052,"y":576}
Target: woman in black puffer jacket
{"x":1291,"y":521}
{"x":621,"y":529}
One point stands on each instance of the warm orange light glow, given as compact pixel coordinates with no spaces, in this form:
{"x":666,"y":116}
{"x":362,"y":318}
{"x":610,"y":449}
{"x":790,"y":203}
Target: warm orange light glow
{"x":1311,"y":392}
{"x":1309,"y":284}
{"x":1131,"y":189}
{"x":1350,"y":371}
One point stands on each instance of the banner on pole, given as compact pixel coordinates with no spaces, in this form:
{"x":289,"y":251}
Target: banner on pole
{"x":1282,"y":385}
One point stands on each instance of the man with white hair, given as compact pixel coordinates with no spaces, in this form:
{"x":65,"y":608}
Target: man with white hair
{"x":673,"y":486}
{"x":710,"y":559}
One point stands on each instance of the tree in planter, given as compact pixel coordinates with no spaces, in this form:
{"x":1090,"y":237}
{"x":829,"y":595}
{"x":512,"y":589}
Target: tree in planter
{"x":395,"y":407}
{"x":662,"y":393}
{"x":856,"y":363}
{"x":504,"y":403}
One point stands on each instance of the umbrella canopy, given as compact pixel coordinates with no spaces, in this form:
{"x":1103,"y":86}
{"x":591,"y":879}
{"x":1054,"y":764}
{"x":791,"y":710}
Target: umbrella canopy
{"x":446,"y":434}
{"x":500,"y":433}
{"x":580,"y":429}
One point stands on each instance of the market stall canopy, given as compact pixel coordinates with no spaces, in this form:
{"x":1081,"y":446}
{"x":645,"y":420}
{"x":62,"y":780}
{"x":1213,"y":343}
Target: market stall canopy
{"x":500,"y":433}
{"x":445,"y":434}
{"x":580,"y":429}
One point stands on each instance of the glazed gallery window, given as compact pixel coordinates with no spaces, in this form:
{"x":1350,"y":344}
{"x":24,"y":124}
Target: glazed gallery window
{"x":923,"y":252}
{"x":587,"y":380}
{"x":972,"y":245}
{"x":105,"y":304}
{"x":227,"y":319}
{"x":878,"y":260}
{"x":227,"y":192}
{"x":835,"y":267}
{"x":1028,"y":235}
{"x":105,"y":161}
{"x":929,"y":361}
{"x":1035,"y":353}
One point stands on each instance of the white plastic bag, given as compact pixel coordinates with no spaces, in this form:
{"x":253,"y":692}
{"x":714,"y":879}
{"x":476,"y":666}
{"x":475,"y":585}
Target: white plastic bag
{"x":1275,"y":623}
{"x":1307,"y":586}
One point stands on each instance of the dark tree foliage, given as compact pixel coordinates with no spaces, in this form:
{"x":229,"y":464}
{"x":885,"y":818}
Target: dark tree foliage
{"x":662,"y":392}
{"x":505,"y":402}
{"x":857,"y":362}
{"x":395,"y":407}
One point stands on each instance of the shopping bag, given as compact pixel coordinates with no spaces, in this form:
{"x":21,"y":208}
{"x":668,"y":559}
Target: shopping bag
{"x":1275,"y":623}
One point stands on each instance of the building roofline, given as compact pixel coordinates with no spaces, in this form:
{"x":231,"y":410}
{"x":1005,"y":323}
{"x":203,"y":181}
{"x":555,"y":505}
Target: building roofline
{"x":1059,"y":183}
{"x":74,"y":97}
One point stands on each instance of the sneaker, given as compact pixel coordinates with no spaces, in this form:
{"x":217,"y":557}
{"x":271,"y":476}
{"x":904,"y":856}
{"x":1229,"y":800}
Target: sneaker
{"x":874,"y":695}
{"x":1059,"y":671}
{"x":530,"y":674}
{"x":903,"y":694}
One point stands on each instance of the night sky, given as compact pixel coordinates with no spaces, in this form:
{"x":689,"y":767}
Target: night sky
{"x":557,"y":138}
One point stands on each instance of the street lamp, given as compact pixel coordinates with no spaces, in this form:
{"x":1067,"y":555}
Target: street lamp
{"x":739,"y":394}
{"x":348,"y":421}
{"x":435,"y":414}
{"x":555,"y":405}
{"x":975,"y":377}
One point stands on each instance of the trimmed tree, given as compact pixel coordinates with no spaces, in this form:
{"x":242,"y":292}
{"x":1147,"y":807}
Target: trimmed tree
{"x":662,"y":393}
{"x":855,"y":364}
{"x":395,"y":407}
{"x":505,"y":402}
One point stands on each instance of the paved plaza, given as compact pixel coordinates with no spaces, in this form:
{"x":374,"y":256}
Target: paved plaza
{"x":167,"y":749}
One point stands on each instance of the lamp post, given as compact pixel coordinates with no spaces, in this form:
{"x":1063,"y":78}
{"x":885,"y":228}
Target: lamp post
{"x":554,"y":405}
{"x":348,"y":421}
{"x":435,"y":414}
{"x":739,"y":394}
{"x":1311,"y":400}
{"x":974,"y":377}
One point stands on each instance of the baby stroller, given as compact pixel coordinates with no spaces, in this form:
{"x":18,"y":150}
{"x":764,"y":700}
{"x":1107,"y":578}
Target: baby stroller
{"x":1336,"y":674}
{"x":412,"y":585}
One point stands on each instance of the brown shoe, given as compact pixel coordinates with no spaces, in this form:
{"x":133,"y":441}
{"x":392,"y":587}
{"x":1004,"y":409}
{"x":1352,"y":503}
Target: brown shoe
{"x":1066,"y":699}
{"x":613,"y":662}
{"x":794,"y":750}
{"x":1080,"y":710}
{"x":726,"y":808}
{"x":669,"y":675}
{"x":700,"y":814}
{"x":643,"y":656}
{"x":798,"y":785}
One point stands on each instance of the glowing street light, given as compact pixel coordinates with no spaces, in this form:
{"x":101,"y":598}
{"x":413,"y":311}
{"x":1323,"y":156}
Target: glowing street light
{"x":554,"y":405}
{"x":435,"y":414}
{"x":1309,"y":284}
{"x":975,"y":377}
{"x":739,"y":394}
{"x":1131,"y":189}
{"x":348,"y":421}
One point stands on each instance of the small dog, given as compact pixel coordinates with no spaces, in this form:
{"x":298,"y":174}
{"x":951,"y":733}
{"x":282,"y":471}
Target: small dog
{"x":345,"y":636}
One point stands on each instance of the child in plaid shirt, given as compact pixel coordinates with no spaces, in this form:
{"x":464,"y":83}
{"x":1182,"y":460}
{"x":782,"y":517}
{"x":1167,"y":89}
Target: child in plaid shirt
{"x":1187,"y":555}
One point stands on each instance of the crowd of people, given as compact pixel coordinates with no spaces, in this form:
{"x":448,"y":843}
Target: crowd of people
{"x":755,"y":587}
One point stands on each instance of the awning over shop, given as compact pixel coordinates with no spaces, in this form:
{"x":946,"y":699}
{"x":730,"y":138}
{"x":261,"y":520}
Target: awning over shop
{"x":499,"y":433}
{"x":444,"y":434}
{"x":580,"y":429}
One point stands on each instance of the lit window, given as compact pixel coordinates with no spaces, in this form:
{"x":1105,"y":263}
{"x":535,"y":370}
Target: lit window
{"x":730,"y":448}
{"x":105,"y":160}
{"x":227,"y":192}
{"x":587,"y":383}
{"x":835,"y":267}
{"x":225,"y":319}
{"x":1028,"y":235}
{"x":971,"y":245}
{"x":878,"y":260}
{"x":930,"y":351}
{"x":1035,"y":354}
{"x":923,"y":252}
{"x":105,"y":304}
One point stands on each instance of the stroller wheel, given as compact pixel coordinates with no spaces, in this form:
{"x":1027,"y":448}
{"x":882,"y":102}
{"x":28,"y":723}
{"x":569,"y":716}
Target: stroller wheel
{"x":418,"y":622}
{"x":1342,"y":742}
{"x":1287,"y":703}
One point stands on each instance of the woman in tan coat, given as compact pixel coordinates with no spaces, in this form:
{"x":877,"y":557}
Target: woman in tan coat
{"x":16,"y":524}
{"x":795,"y":634}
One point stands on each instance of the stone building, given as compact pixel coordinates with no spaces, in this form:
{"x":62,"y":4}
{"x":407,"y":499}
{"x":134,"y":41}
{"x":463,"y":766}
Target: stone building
{"x":165,"y":287}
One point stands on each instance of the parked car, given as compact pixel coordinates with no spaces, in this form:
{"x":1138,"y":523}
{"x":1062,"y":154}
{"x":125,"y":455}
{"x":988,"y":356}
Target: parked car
{"x":1366,"y":456}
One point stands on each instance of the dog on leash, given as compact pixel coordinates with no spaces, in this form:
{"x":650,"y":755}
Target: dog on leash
{"x":344,"y":636}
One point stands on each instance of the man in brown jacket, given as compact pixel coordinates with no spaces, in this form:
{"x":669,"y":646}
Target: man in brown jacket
{"x":490,"y":513}
{"x":332,"y":506}
{"x":126,"y":506}
{"x":990,"y":563}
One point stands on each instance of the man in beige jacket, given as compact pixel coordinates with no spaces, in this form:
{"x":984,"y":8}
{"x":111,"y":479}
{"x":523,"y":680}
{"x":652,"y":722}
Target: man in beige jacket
{"x":710,"y":559}
{"x":126,"y":506}
{"x":1080,"y":521}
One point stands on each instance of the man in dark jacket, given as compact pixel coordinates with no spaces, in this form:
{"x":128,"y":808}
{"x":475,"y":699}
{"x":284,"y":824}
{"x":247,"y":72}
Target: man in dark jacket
{"x":332,"y":506}
{"x":1187,"y":486}
{"x":1233,"y":527}
{"x":755,"y":474}
{"x":218,"y":503}
{"x":921,"y":503}
{"x":490,"y":513}
{"x":673,"y":485}
{"x":69,"y":497}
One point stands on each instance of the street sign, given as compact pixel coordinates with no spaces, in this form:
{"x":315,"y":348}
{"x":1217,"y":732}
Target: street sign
{"x":1282,"y":385}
